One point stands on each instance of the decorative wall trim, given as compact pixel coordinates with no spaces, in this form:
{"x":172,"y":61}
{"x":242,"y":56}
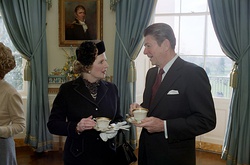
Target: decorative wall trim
{"x":53,"y":90}
{"x":20,"y":143}
{"x":57,"y":79}
{"x":205,"y":146}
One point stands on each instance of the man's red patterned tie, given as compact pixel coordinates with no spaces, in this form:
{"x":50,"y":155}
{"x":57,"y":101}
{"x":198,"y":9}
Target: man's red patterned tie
{"x":157,"y":83}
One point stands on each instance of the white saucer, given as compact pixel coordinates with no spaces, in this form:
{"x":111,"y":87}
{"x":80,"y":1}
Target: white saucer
{"x":102,"y":129}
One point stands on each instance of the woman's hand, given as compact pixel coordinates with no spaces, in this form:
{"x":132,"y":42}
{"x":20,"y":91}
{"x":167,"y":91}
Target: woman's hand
{"x":85,"y":124}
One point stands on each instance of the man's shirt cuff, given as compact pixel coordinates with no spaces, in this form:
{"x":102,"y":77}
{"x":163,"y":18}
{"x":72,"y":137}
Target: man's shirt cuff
{"x":165,"y":129}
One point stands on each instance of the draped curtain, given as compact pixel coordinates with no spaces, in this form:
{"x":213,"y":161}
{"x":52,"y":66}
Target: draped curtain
{"x":25,"y":21}
{"x":132,"y":17}
{"x":232,"y":26}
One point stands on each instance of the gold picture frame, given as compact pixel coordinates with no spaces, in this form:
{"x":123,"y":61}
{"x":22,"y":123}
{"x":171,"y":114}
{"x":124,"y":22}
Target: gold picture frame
{"x":94,"y":21}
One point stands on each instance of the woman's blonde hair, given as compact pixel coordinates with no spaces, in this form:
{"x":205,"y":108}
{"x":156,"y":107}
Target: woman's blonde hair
{"x":78,"y":68}
{"x":7,"y":60}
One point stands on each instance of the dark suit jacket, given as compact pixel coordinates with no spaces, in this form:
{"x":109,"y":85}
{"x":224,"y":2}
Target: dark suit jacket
{"x":75,"y":31}
{"x":184,"y":100}
{"x":74,"y":102}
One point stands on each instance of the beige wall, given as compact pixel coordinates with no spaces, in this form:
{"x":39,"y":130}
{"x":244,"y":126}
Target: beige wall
{"x":56,"y":58}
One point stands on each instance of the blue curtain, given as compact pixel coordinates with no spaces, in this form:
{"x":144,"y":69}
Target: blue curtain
{"x":232,"y":26}
{"x":25,"y":21}
{"x":132,"y":17}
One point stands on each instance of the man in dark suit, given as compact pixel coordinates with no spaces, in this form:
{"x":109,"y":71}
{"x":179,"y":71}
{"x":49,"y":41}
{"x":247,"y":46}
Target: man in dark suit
{"x":182,"y":107}
{"x":78,"y":29}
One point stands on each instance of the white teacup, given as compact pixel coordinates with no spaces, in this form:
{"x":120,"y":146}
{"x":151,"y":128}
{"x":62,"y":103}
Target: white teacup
{"x":140,"y":114}
{"x":102,"y":123}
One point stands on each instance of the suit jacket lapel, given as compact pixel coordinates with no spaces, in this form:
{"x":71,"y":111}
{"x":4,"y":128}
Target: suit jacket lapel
{"x":150,"y":79}
{"x":170,"y":77}
{"x":79,"y":87}
{"x":102,"y":90}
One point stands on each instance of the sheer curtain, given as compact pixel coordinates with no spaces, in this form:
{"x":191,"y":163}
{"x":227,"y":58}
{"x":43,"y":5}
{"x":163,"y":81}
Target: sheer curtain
{"x":231,"y":23}
{"x":25,"y":21}
{"x":132,"y":17}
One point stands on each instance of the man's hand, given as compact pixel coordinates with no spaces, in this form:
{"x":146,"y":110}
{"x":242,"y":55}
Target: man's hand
{"x":152,"y":124}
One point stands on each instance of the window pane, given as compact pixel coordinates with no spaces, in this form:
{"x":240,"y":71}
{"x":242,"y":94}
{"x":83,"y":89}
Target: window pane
{"x":188,"y":6}
{"x":14,"y":77}
{"x":218,"y":66}
{"x":173,"y":6}
{"x":192,"y":35}
{"x":170,"y":6}
{"x":173,"y":21}
{"x":198,"y":60}
{"x":218,"y":70}
{"x":213,"y":46}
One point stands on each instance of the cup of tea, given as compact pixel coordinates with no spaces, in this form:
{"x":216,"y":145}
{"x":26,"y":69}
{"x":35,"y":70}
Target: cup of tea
{"x":139,"y":114}
{"x":102,"y":123}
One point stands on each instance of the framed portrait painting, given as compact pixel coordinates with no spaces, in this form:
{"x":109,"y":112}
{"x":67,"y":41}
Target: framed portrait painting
{"x":80,"y":20}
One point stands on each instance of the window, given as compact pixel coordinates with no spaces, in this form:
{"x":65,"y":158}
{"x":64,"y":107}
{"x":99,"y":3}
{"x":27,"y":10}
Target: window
{"x":196,"y":40}
{"x":14,"y":77}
